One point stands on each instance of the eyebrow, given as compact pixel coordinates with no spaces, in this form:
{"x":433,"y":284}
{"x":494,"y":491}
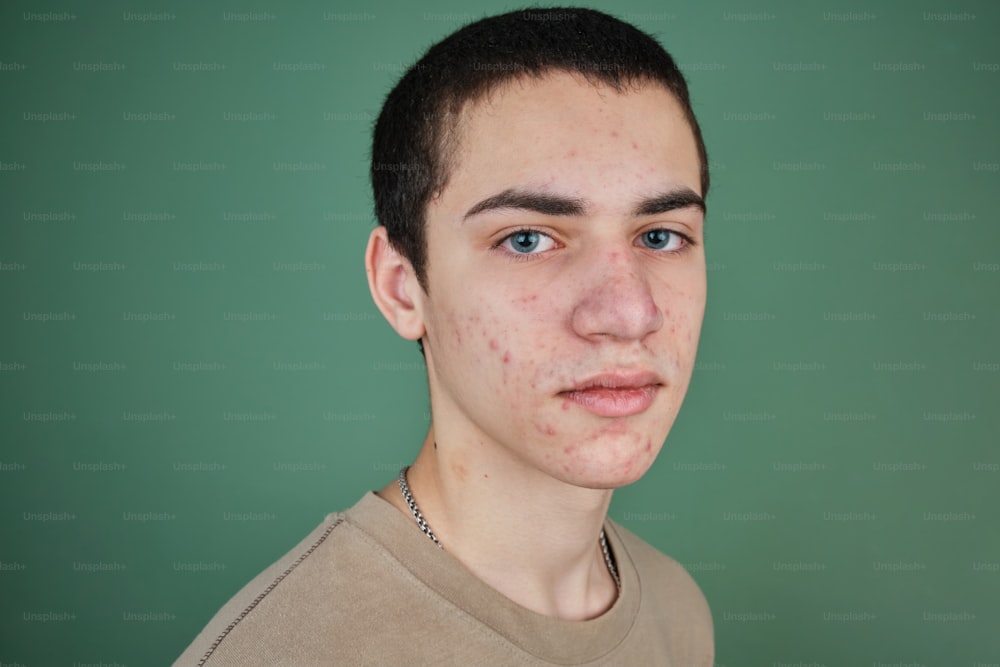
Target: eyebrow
{"x":550,"y":204}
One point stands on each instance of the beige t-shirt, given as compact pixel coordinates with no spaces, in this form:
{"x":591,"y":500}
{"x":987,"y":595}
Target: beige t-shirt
{"x":368,"y":588}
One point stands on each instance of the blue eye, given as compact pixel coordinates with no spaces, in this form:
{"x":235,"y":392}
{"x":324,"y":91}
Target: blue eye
{"x":525,"y":241}
{"x":656,"y":239}
{"x":665,"y":239}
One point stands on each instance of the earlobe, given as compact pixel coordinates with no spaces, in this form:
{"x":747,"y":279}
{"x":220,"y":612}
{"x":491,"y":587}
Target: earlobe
{"x":394,"y":286}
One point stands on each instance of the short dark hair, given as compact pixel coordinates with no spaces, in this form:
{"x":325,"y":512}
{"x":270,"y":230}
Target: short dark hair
{"x":414,"y":133}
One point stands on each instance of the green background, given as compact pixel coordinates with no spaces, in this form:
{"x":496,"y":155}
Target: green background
{"x":193,"y":373}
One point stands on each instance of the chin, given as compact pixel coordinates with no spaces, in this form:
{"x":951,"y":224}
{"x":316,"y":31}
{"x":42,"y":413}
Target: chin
{"x":611,"y":475}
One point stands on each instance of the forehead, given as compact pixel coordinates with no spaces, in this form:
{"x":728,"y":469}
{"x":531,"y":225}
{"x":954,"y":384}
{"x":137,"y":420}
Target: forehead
{"x":562,"y":128}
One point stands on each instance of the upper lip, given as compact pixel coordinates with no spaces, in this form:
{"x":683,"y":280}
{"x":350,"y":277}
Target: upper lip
{"x":618,"y":380}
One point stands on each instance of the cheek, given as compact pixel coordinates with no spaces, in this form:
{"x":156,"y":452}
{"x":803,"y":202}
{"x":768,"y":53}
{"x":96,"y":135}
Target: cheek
{"x":490,"y":343}
{"x":683,"y":315}
{"x":675,"y":345}
{"x":513,"y":337}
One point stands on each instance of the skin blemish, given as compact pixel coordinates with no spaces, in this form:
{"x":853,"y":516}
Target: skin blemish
{"x":614,"y":133}
{"x":635,"y":146}
{"x":565,"y":405}
{"x":506,"y":357}
{"x":649,"y":445}
{"x":572,"y":153}
{"x":494,"y":345}
{"x":614,"y":428}
{"x":549,"y":430}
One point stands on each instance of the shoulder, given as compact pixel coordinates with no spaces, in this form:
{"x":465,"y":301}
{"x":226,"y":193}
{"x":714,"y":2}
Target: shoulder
{"x":271,"y":614}
{"x":670,"y":597}
{"x":249,"y":599}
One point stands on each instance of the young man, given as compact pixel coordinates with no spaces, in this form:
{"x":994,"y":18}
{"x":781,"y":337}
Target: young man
{"x":540,"y":180}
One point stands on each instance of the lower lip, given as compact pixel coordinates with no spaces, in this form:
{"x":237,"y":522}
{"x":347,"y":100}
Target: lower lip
{"x":606,"y":402}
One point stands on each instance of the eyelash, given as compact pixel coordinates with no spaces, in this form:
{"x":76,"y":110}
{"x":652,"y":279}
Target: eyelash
{"x":523,"y":257}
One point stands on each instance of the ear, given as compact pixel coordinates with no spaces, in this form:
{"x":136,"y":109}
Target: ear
{"x":394,"y":286}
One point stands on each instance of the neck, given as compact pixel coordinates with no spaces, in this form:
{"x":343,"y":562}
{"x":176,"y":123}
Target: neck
{"x":532,"y":538}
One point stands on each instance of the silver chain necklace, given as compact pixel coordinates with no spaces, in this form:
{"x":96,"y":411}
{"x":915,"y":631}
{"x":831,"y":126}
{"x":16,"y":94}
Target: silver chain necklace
{"x":425,"y":527}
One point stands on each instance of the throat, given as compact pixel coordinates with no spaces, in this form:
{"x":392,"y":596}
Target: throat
{"x":567,"y":593}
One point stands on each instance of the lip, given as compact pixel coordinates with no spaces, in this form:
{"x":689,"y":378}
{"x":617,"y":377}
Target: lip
{"x":615,"y":394}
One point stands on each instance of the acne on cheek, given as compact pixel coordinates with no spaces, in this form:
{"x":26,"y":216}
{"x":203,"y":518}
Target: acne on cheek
{"x":547,"y":430}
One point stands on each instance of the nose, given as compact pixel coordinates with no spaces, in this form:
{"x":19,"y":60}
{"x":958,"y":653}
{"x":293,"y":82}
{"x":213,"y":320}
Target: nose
{"x":614,"y":298}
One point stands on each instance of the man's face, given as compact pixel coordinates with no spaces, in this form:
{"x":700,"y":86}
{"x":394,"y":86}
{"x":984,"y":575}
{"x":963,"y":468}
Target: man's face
{"x":563,"y":339}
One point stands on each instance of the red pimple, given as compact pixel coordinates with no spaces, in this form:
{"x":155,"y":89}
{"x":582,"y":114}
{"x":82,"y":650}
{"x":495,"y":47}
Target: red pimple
{"x":614,"y":134}
{"x":494,"y":345}
{"x":506,"y":357}
{"x":635,"y":146}
{"x":549,"y":430}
